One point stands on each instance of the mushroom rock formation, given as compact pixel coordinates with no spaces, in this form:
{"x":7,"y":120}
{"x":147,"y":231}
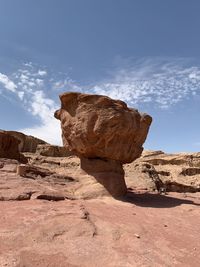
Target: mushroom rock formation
{"x":104,"y":133}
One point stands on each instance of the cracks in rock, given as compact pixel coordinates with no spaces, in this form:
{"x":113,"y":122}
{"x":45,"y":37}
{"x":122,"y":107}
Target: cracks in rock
{"x":174,"y":186}
{"x":85,"y":215}
{"x":51,"y":197}
{"x":190,"y":171}
{"x":153,"y":174}
{"x":1,"y":165}
{"x":60,"y":233}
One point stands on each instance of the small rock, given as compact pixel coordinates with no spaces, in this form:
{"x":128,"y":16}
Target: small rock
{"x":21,"y":170}
{"x":136,"y":235}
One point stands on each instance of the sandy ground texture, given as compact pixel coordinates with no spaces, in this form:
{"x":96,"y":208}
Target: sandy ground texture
{"x":42,"y":225}
{"x":143,"y":229}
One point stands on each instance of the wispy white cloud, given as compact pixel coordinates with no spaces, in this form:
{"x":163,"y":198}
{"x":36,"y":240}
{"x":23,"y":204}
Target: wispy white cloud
{"x":152,"y":81}
{"x":49,"y":131}
{"x":7,"y":83}
{"x":20,"y":95}
{"x":35,"y":86}
{"x":42,"y":72}
{"x":28,"y":64}
{"x":66,"y":83}
{"x":163,"y":83}
{"x":49,"y":128}
{"x":31,"y":85}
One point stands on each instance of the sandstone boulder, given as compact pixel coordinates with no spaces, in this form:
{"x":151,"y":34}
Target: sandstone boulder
{"x":105,"y":134}
{"x":95,"y":126}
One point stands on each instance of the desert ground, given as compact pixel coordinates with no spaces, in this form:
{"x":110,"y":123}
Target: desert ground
{"x":46,"y":222}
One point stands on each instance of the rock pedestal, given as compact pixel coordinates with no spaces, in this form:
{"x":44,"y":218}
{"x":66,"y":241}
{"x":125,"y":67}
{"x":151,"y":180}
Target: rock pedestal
{"x":106,"y":176}
{"x":104,"y":133}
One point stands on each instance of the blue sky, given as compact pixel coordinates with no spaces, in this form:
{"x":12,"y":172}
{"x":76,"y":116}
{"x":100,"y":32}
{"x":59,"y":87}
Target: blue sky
{"x":145,"y":52}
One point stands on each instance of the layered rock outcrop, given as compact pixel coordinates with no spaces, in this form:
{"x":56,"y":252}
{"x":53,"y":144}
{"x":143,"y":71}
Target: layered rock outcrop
{"x":96,"y":127}
{"x":9,"y":147}
{"x":52,"y":151}
{"x":27,"y":143}
{"x":156,"y":170}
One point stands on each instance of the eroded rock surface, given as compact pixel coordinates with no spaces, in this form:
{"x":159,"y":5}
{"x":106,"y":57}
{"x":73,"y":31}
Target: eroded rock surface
{"x":95,"y":126}
{"x":27,"y":143}
{"x":98,"y":175}
{"x":52,"y":151}
{"x":46,"y":175}
{"x":23,"y":182}
{"x":173,"y":172}
{"x":9,"y":147}
{"x":105,"y":134}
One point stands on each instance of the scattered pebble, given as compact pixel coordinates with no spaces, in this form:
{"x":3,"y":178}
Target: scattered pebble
{"x":136,"y":235}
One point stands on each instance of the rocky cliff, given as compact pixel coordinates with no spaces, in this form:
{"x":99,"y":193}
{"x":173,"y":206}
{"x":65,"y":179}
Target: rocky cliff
{"x":27,"y":143}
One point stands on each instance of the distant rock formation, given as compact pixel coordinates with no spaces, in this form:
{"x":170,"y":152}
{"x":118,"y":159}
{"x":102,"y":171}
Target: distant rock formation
{"x":9,"y":147}
{"x":27,"y":143}
{"x":160,"y":171}
{"x":52,"y":151}
{"x":102,"y":132}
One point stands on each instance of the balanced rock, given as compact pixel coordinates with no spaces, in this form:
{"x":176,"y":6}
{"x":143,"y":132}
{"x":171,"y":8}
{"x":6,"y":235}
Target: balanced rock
{"x":95,"y":126}
{"x":98,"y":127}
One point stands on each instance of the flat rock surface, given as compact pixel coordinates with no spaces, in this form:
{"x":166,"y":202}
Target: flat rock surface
{"x":141,"y":230}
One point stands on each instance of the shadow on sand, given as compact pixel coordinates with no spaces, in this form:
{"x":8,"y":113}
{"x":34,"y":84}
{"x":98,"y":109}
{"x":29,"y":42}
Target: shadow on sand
{"x":154,"y":200}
